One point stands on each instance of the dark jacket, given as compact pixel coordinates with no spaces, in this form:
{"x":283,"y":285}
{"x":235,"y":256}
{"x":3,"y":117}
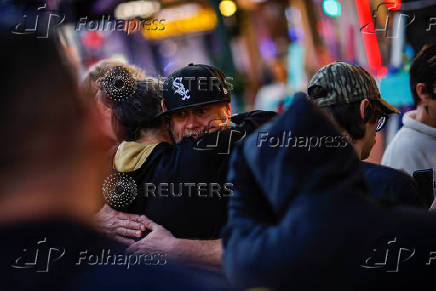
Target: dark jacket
{"x":304,"y":220}
{"x":391,"y":186}
{"x":183,"y":187}
{"x":60,"y":254}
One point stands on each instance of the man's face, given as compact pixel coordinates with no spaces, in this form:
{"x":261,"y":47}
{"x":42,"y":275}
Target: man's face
{"x":196,"y":121}
{"x":370,"y":131}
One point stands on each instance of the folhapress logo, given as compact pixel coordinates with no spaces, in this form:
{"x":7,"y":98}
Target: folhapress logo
{"x":38,"y":21}
{"x":390,"y":258}
{"x":39,"y":258}
{"x":405,"y":17}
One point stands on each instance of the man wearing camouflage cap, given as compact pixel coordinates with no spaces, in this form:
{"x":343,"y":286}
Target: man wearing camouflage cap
{"x":351,"y":97}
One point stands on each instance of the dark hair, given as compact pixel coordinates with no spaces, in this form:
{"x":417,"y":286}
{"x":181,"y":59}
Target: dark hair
{"x":137,"y":112}
{"x":423,"y":70}
{"x":347,"y":116}
{"x":99,"y":69}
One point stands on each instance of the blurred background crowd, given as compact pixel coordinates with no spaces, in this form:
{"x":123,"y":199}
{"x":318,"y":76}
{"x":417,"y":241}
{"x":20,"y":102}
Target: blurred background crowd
{"x":55,"y":151}
{"x":269,"y":48}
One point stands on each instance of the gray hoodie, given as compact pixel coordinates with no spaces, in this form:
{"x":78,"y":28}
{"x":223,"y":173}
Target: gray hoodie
{"x":413,"y":147}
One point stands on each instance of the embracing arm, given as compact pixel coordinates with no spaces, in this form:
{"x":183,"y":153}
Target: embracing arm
{"x":203,"y":252}
{"x":206,"y":253}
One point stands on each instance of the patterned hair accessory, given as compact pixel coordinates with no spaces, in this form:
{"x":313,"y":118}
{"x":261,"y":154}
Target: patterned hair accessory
{"x":118,"y":83}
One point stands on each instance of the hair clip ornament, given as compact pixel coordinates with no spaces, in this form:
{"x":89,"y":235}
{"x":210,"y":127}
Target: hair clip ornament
{"x":118,"y":84}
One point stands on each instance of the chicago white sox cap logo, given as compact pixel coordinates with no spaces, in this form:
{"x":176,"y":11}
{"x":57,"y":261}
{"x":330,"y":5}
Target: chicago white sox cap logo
{"x":180,"y":88}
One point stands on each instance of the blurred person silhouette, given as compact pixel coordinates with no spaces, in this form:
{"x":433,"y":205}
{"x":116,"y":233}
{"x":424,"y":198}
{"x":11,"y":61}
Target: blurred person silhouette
{"x":51,"y":160}
{"x":304,"y":219}
{"x":273,"y":94}
{"x":414,"y":146}
{"x":351,"y":97}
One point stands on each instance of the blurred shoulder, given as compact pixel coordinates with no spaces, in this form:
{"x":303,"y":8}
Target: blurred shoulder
{"x":384,"y":171}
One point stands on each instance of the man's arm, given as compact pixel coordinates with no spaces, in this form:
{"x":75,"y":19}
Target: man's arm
{"x":251,"y":229}
{"x":206,"y":153}
{"x":202,"y":252}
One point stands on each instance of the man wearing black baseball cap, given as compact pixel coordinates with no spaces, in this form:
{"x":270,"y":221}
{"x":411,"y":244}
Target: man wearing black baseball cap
{"x":196,"y":100}
{"x":185,"y":183}
{"x":350,"y":95}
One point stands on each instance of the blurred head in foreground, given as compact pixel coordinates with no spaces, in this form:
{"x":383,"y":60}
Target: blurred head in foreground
{"x":52,"y":150}
{"x":350,"y":95}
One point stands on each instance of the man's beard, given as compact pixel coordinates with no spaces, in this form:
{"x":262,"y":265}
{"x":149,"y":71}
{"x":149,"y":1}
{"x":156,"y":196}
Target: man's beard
{"x":220,"y":124}
{"x":195,"y":133}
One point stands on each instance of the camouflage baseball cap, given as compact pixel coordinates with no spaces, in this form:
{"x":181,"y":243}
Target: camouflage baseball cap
{"x":346,"y":83}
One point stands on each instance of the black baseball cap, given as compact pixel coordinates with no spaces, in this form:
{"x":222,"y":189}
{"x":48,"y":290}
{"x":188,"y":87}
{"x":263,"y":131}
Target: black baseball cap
{"x":194,"y":85}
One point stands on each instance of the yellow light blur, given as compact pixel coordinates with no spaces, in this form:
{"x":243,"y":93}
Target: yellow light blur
{"x":132,"y":9}
{"x":227,"y":7}
{"x":203,"y":20}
